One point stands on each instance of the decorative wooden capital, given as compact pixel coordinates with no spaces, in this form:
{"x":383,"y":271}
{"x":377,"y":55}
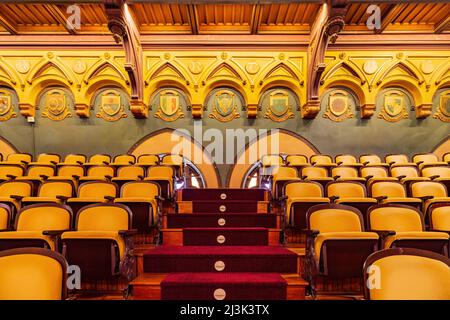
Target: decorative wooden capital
{"x":82,"y":110}
{"x":197,"y":110}
{"x":252,"y":110}
{"x":27,"y":110}
{"x":138,"y":109}
{"x":424,"y":110}
{"x":367,"y":110}
{"x":310,"y":109}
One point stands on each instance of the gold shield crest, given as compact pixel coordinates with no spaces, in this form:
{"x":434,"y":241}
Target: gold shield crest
{"x":111,"y":108}
{"x":394,"y":108}
{"x":169,"y":106}
{"x":55,"y":105}
{"x":279,"y":109}
{"x":6,"y":108}
{"x":443,"y":111}
{"x":338,"y":108}
{"x":224,"y":106}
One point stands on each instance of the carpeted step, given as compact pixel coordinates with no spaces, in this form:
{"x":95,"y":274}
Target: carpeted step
{"x":166,"y":259}
{"x":224,"y":286}
{"x":219,"y":206}
{"x":225,"y":237}
{"x":193,"y":194}
{"x":219,"y":220}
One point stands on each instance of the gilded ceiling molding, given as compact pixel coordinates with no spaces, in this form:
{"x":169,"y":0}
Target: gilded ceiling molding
{"x":124,"y":29}
{"x":329,"y":22}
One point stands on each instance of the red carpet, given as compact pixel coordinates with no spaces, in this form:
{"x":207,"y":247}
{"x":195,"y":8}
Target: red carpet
{"x":166,"y":259}
{"x":234,"y":286}
{"x":225,"y":237}
{"x":218,"y":194}
{"x":231,"y":220}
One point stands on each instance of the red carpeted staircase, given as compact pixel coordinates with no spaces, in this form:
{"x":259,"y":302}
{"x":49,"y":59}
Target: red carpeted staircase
{"x":222,"y":244}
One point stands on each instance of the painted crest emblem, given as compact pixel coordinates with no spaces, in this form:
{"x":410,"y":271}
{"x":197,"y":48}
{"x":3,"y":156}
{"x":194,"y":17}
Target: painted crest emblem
{"x":111,"y":108}
{"x":279,"y":109}
{"x":224,"y":106}
{"x":394,"y":107}
{"x":443,"y":111}
{"x":169,"y":106}
{"x":6,"y":108}
{"x":338,"y":108}
{"x":55,"y":105}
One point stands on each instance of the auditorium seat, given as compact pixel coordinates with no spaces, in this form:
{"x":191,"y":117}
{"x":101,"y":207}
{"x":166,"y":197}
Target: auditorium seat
{"x":22,"y":159}
{"x":128,"y":173}
{"x":101,"y":243}
{"x":74,"y":159}
{"x":69,"y":172}
{"x":352,"y":194}
{"x":164,"y":176}
{"x":440,"y":217}
{"x":297,"y":160}
{"x":403,"y":226}
{"x":372,"y":160}
{"x":98,"y":159}
{"x":392,"y":192}
{"x":281,"y":176}
{"x":53,"y":191}
{"x":347,"y":160}
{"x":10,"y":171}
{"x":424,"y":160}
{"x":38,"y":173}
{"x":12,"y":192}
{"x":321,"y":160}
{"x":430,"y":192}
{"x":317,"y":174}
{"x":93,"y":192}
{"x":269,"y":163}
{"x":143,"y":199}
{"x":5,"y":216}
{"x":176,"y":161}
{"x":398,"y":159}
{"x":299,"y":196}
{"x":148,"y":160}
{"x":47,"y":158}
{"x":337,"y":244}
{"x":438,"y":173}
{"x":407,"y":174}
{"x":99,"y":172}
{"x":346,"y":173}
{"x":375,"y":173}
{"x":32,"y":274}
{"x":123,"y":160}
{"x":37,"y":225}
{"x":406,"y":274}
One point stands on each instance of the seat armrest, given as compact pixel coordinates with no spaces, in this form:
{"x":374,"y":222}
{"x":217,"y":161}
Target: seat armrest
{"x":76,"y":177}
{"x":16,"y":197}
{"x":365,"y":163}
{"x":43,"y":176}
{"x":434,"y":177}
{"x":425,"y":198}
{"x":336,"y":177}
{"x":109,"y":198}
{"x":309,"y":232}
{"x":7,"y":230}
{"x":401,"y":177}
{"x":105,"y":162}
{"x":63,"y":198}
{"x":368,"y":177}
{"x":24,"y":162}
{"x":108,"y":177}
{"x":383,"y":233}
{"x":80,"y":163}
{"x":419,"y":163}
{"x":437,"y":230}
{"x":141,"y":177}
{"x":54,"y":163}
{"x":304,"y":177}
{"x":127,"y":233}
{"x":12,"y":177}
{"x":339,"y":163}
{"x":54,"y":233}
{"x":333,"y":198}
{"x":381,"y":198}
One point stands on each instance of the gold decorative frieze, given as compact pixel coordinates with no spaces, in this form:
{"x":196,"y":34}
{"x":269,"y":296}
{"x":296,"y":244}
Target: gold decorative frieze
{"x":279,"y":109}
{"x":169,"y":108}
{"x":394,"y":108}
{"x":224,"y":106}
{"x":443,"y":112}
{"x":56,"y":106}
{"x":338,"y":108}
{"x":111,"y":108}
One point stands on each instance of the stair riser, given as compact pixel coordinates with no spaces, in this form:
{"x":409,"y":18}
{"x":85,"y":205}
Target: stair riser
{"x":220,"y":221}
{"x":218,"y":194}
{"x":225,"y":238}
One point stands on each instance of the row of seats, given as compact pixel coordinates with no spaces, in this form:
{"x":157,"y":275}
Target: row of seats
{"x":142,"y":197}
{"x":338,"y":243}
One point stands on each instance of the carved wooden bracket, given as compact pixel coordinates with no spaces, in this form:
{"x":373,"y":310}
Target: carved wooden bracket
{"x":424,"y":110}
{"x":82,"y":110}
{"x":197,"y":110}
{"x":367,"y":110}
{"x":252,"y":110}
{"x":27,"y":110}
{"x":122,"y":25}
{"x":329,"y":22}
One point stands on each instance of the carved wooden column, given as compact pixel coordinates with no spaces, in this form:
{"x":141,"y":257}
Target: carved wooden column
{"x":329,"y":22}
{"x":125,"y":31}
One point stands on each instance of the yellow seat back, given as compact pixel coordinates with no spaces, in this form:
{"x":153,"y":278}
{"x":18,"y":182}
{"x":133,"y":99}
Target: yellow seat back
{"x":271,"y":160}
{"x":284,"y":173}
{"x":35,"y":171}
{"x":329,"y":219}
{"x":300,"y":189}
{"x":344,"y":172}
{"x":125,"y":159}
{"x":97,"y":189}
{"x":148,"y":159}
{"x":407,"y":171}
{"x":375,"y":172}
{"x":160,"y":172}
{"x":99,"y":159}
{"x":41,"y":217}
{"x":296,"y":160}
{"x":408,"y":274}
{"x":5,"y":214}
{"x":56,"y":188}
{"x":173,"y":159}
{"x":371,"y":159}
{"x":441,"y":171}
{"x":10,"y":169}
{"x":446,"y":157}
{"x":19,"y":157}
{"x":32,"y":274}
{"x":396,"y":218}
{"x":130,"y":172}
{"x":346,"y":190}
{"x":320,"y":159}
{"x":48,"y":158}
{"x":140,"y":189}
{"x":346,"y":159}
{"x":100,"y":171}
{"x":103,"y":217}
{"x":70,"y":170}
{"x":314,"y":172}
{"x":396,"y":159}
{"x":425,"y":158}
{"x":17,"y":188}
{"x":75,"y":159}
{"x":390,"y":189}
{"x":428,"y":188}
{"x":440,"y":218}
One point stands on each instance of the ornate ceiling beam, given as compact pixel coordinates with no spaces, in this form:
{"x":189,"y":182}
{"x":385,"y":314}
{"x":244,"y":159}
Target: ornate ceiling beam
{"x":256,"y":18}
{"x":193,"y":21}
{"x":9,"y":26}
{"x":61,"y":18}
{"x":125,"y":30}
{"x":390,"y":15}
{"x":442,"y":25}
{"x":327,"y":25}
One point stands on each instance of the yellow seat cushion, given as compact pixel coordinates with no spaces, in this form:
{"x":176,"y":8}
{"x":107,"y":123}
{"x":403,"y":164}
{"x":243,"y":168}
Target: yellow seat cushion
{"x":108,"y":235}
{"x":319,"y":179}
{"x":415,"y":179}
{"x":87,"y":199}
{"x":93,"y":178}
{"x":411,"y":235}
{"x":400,"y":199}
{"x":4,"y":219}
{"x":41,"y":199}
{"x":356,"y":199}
{"x":10,"y":200}
{"x":322,"y":237}
{"x":351,"y":179}
{"x":27,"y":235}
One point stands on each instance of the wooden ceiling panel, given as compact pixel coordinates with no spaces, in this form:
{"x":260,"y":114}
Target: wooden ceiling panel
{"x":224,"y":18}
{"x":162,"y":18}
